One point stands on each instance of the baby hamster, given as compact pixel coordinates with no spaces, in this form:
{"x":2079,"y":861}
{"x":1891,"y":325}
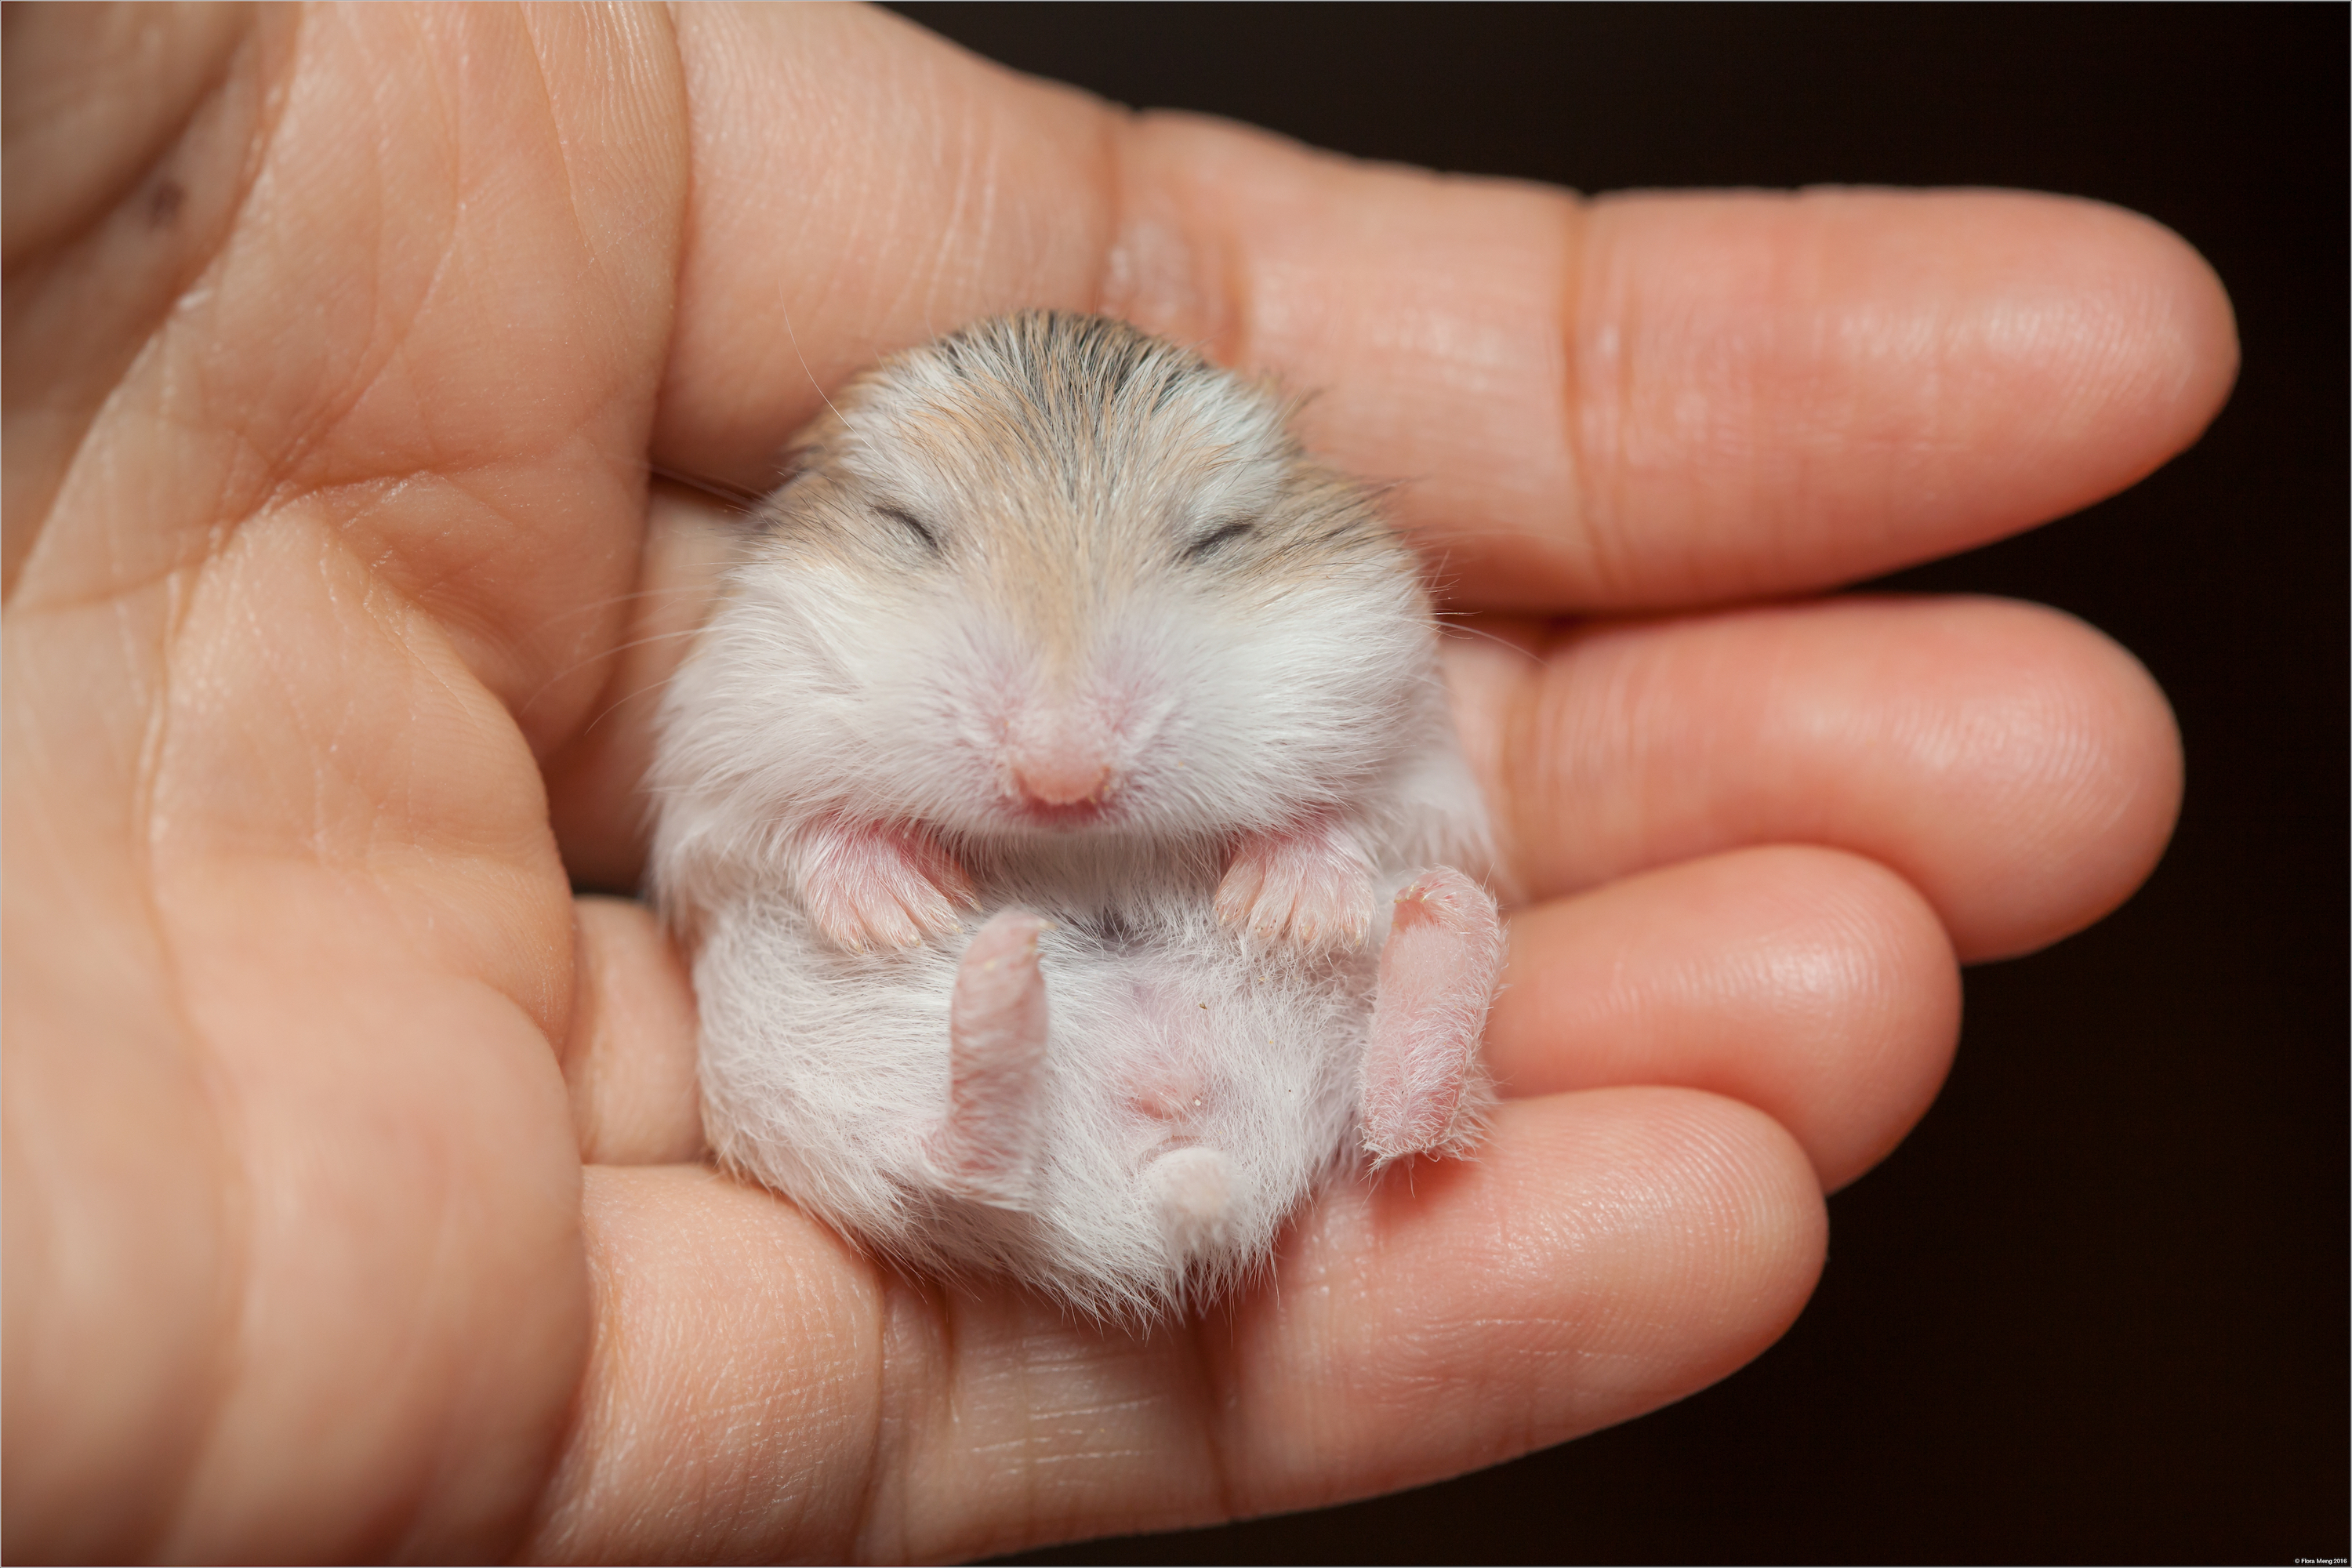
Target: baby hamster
{"x":1064,"y":813}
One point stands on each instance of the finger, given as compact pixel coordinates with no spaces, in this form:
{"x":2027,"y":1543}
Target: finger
{"x":755,"y":1392}
{"x":1606,"y":1254}
{"x":1637,"y":402}
{"x":629,"y":1058}
{"x":596,"y":782}
{"x":1814,"y":985}
{"x":2013,"y":766}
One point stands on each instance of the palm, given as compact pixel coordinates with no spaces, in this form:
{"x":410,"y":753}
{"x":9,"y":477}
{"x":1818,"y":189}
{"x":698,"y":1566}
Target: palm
{"x":332,"y":588}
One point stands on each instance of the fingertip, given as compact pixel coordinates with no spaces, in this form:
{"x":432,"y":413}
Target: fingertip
{"x":2091,"y":814}
{"x":1749,"y":1231}
{"x":1615,"y":1250}
{"x":1904,"y":1022}
{"x":1817,"y":985}
{"x":2017,"y":767}
{"x":2190,"y":311}
{"x":1804,"y":390}
{"x":2146,"y":346}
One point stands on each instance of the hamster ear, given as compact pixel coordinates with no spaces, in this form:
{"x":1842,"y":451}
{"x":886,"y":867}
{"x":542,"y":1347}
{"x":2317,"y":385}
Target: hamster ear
{"x":1425,"y":1090}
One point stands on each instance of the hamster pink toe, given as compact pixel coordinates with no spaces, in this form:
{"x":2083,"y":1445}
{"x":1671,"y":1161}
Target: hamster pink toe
{"x":1310,"y":884}
{"x":986,"y":1147}
{"x":870,"y":886}
{"x":1192,"y":1189}
{"x":1424,"y":1088}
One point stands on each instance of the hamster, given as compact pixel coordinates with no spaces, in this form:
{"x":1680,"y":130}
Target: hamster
{"x":1064,"y":813}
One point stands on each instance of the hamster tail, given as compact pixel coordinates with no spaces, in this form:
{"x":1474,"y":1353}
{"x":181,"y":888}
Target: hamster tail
{"x":986,"y":1149}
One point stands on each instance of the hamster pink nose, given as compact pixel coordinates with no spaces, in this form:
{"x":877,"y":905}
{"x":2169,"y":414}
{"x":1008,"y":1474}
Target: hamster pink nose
{"x":1060,"y":778}
{"x":1058,"y":759}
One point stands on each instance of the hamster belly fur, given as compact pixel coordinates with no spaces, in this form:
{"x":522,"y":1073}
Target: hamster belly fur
{"x":826,"y":1071}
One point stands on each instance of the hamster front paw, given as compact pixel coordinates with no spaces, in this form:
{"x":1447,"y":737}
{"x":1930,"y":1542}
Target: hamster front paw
{"x":1311,"y":883}
{"x":868,"y":885}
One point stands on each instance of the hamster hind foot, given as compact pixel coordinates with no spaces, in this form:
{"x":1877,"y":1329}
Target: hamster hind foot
{"x":1424,"y":1090}
{"x":986,"y":1147}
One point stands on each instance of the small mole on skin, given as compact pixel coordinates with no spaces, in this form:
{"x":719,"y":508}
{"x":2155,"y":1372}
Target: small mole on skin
{"x":163,"y":203}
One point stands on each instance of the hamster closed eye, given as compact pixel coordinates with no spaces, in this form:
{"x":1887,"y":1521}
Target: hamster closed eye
{"x":1064,"y":813}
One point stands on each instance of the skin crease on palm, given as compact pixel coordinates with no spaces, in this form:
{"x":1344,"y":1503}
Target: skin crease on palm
{"x":352,"y":1198}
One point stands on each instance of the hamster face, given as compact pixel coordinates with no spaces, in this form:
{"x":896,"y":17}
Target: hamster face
{"x":1053,"y":576}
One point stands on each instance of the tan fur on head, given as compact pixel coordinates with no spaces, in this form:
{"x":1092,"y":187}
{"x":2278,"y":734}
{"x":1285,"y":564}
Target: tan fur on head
{"x":1073,"y":457}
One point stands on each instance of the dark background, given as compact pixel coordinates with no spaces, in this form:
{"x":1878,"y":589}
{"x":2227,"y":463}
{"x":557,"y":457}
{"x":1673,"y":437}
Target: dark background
{"x":2095,"y":1308}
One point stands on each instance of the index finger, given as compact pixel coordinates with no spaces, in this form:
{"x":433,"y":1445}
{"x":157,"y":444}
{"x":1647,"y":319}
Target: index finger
{"x":1627,"y":403}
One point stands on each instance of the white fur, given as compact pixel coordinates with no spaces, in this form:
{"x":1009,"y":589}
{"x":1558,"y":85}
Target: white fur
{"x":1198,"y":1082}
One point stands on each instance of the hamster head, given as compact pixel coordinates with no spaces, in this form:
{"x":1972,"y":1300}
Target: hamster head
{"x":1051,"y":576}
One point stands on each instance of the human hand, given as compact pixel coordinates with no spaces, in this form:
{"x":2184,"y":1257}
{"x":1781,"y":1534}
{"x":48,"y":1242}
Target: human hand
{"x":350,"y":1202}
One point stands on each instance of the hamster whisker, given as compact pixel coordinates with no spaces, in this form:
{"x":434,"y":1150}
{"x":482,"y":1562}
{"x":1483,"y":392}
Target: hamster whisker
{"x":794,"y":338}
{"x":1449,"y":627}
{"x":606,"y":602}
{"x":619,"y":702}
{"x":580,"y":664}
